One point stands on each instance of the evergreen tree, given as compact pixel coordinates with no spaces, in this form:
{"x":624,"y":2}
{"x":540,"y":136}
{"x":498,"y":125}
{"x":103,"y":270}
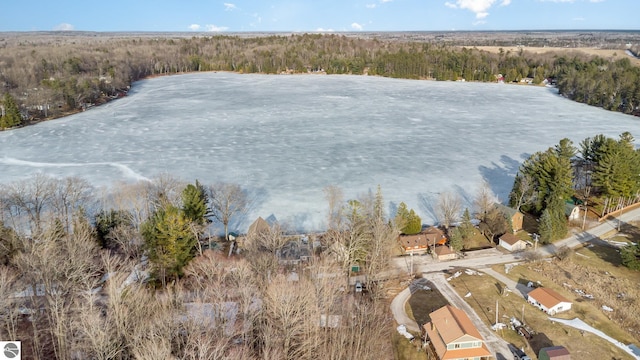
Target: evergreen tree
{"x":466,"y":227}
{"x":12,"y":115}
{"x":545,"y":227}
{"x":407,"y":220}
{"x":194,"y":203}
{"x":616,"y":172}
{"x":456,"y":241}
{"x":630,"y":255}
{"x":169,"y":241}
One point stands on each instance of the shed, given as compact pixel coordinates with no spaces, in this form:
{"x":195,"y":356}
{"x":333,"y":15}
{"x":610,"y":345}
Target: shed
{"x":444,"y":253}
{"x":554,"y":353}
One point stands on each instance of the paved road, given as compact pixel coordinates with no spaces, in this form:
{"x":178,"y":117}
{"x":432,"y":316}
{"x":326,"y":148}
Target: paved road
{"x":432,"y":269}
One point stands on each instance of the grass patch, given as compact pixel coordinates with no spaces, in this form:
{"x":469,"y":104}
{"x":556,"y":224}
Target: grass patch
{"x":485,"y":293}
{"x":477,"y":241}
{"x":423,"y":302}
{"x":405,"y":350}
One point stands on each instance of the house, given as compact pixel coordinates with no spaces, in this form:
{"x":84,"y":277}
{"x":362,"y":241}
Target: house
{"x":548,"y":300}
{"x":443,"y":252}
{"x":435,"y":236}
{"x":413,"y":244}
{"x":293,"y":253}
{"x":418,"y":243}
{"x":452,"y":335}
{"x":514,"y":216}
{"x":258,"y":226}
{"x":512,"y":242}
{"x":554,"y":353}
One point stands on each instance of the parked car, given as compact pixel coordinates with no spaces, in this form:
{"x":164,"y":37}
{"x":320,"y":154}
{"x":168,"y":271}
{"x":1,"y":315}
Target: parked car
{"x":518,"y":354}
{"x":359,"y":286}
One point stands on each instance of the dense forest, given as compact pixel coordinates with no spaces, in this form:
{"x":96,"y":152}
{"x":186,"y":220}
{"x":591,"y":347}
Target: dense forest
{"x":51,"y":76}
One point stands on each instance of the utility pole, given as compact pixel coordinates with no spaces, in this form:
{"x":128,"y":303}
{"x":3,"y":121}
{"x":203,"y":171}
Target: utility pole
{"x":535,"y":241}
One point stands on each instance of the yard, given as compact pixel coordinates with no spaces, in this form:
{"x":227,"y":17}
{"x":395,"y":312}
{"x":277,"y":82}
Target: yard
{"x":593,"y":270}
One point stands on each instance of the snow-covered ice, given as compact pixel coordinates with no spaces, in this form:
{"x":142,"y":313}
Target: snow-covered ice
{"x":284,"y":138}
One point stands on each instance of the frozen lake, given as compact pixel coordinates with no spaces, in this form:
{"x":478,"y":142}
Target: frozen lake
{"x":284,"y":138}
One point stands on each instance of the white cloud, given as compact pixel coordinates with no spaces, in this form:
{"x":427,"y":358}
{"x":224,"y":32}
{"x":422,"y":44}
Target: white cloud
{"x":230,"y":7}
{"x":215,"y":28}
{"x":385,"y":1}
{"x":478,"y":7}
{"x":356,"y":26}
{"x":371,"y":6}
{"x":194,"y":27}
{"x":324,"y":30}
{"x":64,"y":27}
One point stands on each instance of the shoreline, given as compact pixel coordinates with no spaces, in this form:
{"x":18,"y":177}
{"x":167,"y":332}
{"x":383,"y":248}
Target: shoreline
{"x":108,"y":99}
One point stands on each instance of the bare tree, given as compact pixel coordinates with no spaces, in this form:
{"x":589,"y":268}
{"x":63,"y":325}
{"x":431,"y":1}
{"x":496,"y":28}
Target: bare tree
{"x":72,"y":194}
{"x":335,"y":200}
{"x":9,"y":314}
{"x":448,"y":209}
{"x":29,"y":198}
{"x":524,"y":192}
{"x":484,"y":200}
{"x":227,"y":200}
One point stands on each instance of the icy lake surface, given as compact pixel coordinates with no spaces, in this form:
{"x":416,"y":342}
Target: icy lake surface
{"x":284,"y":138}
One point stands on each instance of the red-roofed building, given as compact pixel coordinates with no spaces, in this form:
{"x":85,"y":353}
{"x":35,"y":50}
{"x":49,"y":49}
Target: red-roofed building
{"x":452,"y":336}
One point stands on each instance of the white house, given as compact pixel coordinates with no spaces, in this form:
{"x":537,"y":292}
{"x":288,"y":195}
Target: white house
{"x":548,"y":300}
{"x":512,"y":242}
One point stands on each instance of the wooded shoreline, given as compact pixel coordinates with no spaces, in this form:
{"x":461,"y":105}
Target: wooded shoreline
{"x":51,"y":76}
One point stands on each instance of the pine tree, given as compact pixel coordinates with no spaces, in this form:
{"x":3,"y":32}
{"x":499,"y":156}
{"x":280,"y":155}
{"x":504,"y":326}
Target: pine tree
{"x":456,"y":241}
{"x":545,"y":227}
{"x":12,"y":115}
{"x":194,"y":203}
{"x":407,"y":220}
{"x":169,"y":241}
{"x":466,"y":227}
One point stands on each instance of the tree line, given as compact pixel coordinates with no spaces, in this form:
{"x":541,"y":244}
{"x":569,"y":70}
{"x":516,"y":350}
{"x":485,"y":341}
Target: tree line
{"x":133,"y":274}
{"x":52,"y":77}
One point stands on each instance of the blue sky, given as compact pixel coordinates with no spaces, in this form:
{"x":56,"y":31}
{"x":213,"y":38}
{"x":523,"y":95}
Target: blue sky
{"x":318,"y":15}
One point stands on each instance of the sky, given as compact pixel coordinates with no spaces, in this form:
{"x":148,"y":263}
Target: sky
{"x":318,"y":15}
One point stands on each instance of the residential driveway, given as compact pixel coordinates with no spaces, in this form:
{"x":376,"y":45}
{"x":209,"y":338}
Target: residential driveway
{"x":397,"y":309}
{"x":496,"y":345}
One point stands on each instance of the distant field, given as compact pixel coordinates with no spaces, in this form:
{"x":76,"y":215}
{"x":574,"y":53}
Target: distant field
{"x":604,"y":53}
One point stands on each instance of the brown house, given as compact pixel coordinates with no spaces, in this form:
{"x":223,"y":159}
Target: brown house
{"x":418,"y":243}
{"x":514,"y":216}
{"x":452,"y":336}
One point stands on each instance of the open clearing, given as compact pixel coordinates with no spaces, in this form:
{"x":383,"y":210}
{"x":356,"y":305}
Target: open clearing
{"x":610,"y":54}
